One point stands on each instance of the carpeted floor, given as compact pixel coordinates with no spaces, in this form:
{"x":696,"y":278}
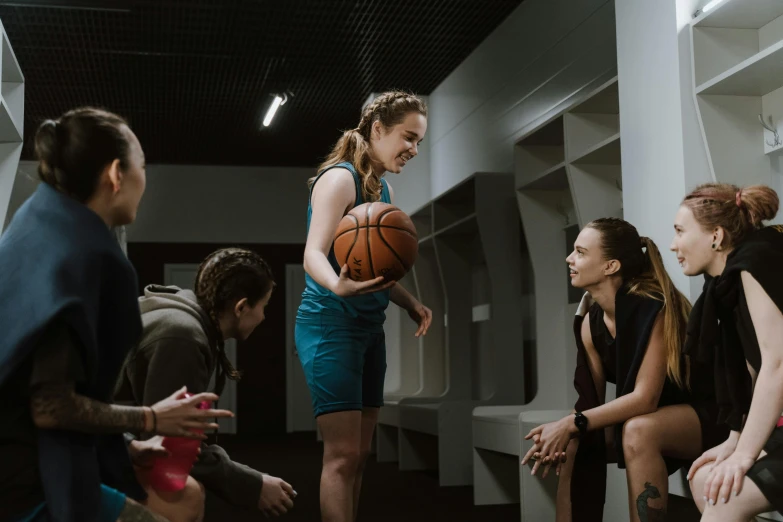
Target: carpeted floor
{"x":388,"y":494}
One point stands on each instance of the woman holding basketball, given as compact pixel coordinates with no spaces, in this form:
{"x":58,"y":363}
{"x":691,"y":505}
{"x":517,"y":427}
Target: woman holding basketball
{"x":736,"y":327}
{"x":339,"y":326}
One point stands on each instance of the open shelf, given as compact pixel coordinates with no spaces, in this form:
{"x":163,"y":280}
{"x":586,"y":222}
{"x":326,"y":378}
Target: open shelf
{"x":433,"y":356}
{"x":738,"y":76}
{"x":422,"y":220}
{"x":10,"y":130}
{"x":410,"y":348}
{"x":554,"y":179}
{"x":540,"y":153}
{"x":606,"y":152}
{"x":455,"y":205}
{"x":12,"y":82}
{"x":758,"y":75}
{"x":741,"y":14}
{"x":606,"y":100}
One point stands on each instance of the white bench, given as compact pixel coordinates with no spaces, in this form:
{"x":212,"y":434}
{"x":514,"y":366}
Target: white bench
{"x":538,"y":496}
{"x":437,"y":436}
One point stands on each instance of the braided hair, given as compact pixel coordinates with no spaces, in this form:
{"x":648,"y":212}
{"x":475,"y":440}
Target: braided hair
{"x":390,"y":108}
{"x":225,"y":277}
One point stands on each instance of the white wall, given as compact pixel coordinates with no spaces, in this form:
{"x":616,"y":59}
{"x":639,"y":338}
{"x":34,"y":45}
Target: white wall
{"x":663,"y":151}
{"x":651,"y":120}
{"x":209,"y":204}
{"x":542,"y":56}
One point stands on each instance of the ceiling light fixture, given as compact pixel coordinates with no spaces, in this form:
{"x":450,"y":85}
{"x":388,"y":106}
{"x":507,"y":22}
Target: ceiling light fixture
{"x":279,"y":100}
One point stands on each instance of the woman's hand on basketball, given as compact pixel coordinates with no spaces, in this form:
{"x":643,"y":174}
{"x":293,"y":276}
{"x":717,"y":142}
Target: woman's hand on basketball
{"x":177,"y":416}
{"x":421,"y":316}
{"x":346,"y":287}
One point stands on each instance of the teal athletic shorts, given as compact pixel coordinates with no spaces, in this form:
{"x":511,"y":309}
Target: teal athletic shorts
{"x":112,"y":504}
{"x":345,"y":365}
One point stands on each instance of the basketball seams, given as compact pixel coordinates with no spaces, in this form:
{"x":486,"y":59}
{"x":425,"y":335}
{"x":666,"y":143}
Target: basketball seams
{"x":354,"y":229}
{"x":401,"y":232}
{"x":402,"y":263}
{"x":401,"y":229}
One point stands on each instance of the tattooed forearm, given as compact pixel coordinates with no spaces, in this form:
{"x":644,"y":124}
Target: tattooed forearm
{"x":58,"y":406}
{"x":135,"y":512}
{"x":647,"y":513}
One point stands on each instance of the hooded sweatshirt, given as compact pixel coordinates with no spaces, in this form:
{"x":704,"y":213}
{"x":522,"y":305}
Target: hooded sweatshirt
{"x":178,"y":348}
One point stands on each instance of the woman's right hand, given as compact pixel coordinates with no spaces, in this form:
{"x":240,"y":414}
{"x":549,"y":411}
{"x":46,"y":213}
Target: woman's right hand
{"x":715,"y":455}
{"x":346,"y":286}
{"x":177,"y":416}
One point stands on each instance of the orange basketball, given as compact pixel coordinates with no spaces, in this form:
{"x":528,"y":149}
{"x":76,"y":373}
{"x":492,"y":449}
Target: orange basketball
{"x":376,"y":239}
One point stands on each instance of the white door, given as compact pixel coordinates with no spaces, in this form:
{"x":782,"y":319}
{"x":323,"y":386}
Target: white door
{"x":184,"y":276}
{"x":299,"y":408}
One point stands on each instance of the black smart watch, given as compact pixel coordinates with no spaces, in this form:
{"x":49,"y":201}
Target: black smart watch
{"x":581,"y":423}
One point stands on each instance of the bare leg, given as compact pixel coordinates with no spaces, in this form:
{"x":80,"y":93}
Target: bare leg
{"x":135,"y":512}
{"x":342,"y":432}
{"x":186,"y":505}
{"x":674,"y":431}
{"x":369,"y":420}
{"x":563,"y":502}
{"x":741,"y":508}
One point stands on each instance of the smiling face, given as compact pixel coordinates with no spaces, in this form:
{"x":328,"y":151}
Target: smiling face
{"x":393,"y":147}
{"x":692,"y":244}
{"x":587,"y":262}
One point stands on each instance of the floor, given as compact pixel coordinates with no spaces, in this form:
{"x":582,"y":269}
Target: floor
{"x":388,"y":494}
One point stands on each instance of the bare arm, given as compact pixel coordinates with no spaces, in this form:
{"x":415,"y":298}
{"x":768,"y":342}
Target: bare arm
{"x":767,"y":401}
{"x":330,"y":199}
{"x":647,"y":390}
{"x":403,"y":298}
{"x":332,"y":196}
{"x":58,"y":406}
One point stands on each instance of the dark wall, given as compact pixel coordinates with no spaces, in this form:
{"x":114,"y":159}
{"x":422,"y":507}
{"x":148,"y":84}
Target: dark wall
{"x":261,"y":407}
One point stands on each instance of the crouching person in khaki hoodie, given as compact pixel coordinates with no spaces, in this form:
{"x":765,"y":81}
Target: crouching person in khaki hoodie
{"x":183,"y":345}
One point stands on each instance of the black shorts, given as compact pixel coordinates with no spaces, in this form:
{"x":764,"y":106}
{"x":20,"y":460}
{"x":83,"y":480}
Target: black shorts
{"x":767,"y":472}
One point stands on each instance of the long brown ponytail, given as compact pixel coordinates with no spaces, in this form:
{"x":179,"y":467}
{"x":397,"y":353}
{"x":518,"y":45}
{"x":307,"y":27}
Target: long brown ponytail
{"x":644,"y":273}
{"x":390,"y":108}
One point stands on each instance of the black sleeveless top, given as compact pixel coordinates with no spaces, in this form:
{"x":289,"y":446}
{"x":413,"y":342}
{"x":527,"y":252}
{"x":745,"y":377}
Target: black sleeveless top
{"x":607,"y":350}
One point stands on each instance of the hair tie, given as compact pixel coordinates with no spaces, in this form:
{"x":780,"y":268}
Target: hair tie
{"x":738,"y":198}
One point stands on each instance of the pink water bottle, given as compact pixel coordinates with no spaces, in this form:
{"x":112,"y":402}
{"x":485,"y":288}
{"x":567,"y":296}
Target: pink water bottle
{"x":171,"y":473}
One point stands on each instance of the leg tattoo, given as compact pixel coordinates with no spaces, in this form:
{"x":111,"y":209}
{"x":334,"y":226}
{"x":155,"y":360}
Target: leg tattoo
{"x":647,"y":513}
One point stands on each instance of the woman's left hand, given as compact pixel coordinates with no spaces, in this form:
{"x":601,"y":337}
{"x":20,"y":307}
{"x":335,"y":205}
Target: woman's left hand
{"x":726,"y":478}
{"x":551,"y":441}
{"x":422,"y":316}
{"x":144,"y":452}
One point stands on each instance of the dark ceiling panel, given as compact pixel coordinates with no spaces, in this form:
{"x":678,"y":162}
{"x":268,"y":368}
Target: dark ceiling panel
{"x":195,"y":77}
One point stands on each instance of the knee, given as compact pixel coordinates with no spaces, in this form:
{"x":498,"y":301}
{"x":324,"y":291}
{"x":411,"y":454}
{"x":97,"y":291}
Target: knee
{"x":697,"y":486}
{"x":193,"y":500}
{"x":638,"y":437}
{"x":344,"y":461}
{"x":364,"y":454}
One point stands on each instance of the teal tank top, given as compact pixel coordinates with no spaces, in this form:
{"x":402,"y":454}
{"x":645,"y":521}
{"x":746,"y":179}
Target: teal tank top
{"x":319,"y":303}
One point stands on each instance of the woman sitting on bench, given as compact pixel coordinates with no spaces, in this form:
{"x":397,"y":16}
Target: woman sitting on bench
{"x":629,"y":329}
